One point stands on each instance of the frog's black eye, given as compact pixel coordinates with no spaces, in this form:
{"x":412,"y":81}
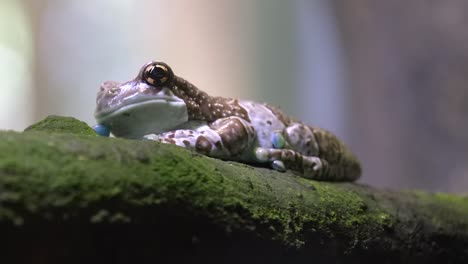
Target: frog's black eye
{"x":157,"y":74}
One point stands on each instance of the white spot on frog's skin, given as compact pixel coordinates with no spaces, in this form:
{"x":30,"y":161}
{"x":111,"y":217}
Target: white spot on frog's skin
{"x":258,"y":113}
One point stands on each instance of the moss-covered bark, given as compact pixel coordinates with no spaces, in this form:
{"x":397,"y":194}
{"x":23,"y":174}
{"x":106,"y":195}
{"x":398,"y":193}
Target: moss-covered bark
{"x":69,"y":196}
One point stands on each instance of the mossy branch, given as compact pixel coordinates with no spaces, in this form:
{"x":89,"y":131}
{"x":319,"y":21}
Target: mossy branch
{"x":63,"y":188}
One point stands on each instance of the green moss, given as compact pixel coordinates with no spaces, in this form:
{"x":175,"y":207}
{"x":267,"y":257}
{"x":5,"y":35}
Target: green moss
{"x":142,"y":173}
{"x":62,"y":125}
{"x":62,"y":176}
{"x":442,"y":208}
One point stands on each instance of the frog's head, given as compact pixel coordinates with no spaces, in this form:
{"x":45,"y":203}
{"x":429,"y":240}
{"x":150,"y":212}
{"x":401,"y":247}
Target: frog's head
{"x":142,"y":106}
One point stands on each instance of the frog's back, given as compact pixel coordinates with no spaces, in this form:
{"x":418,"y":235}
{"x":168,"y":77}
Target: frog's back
{"x":264,"y":121}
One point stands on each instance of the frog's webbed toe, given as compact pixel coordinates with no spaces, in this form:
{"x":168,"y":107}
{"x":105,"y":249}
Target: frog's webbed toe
{"x":278,"y":165}
{"x":286,"y":159}
{"x":151,"y":137}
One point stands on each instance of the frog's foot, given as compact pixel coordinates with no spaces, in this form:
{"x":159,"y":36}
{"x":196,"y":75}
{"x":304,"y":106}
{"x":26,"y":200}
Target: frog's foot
{"x":278,"y":165}
{"x":151,"y":137}
{"x":101,"y":130}
{"x":281,"y":159}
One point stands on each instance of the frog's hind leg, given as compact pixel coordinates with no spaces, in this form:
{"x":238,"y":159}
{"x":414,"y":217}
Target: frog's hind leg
{"x":319,"y":154}
{"x":308,"y":166}
{"x":296,"y":148}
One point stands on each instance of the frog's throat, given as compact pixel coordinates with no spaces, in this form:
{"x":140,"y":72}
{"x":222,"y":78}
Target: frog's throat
{"x":142,"y":118}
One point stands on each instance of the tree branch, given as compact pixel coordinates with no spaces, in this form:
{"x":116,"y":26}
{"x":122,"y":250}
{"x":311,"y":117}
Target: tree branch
{"x":67,"y":195}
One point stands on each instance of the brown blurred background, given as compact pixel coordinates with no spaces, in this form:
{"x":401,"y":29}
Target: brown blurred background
{"x":386,"y":76}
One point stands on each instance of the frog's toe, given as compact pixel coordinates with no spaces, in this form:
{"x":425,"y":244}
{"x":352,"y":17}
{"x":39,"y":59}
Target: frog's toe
{"x":315,"y":163}
{"x":151,"y":137}
{"x":278,"y":165}
{"x":101,"y":130}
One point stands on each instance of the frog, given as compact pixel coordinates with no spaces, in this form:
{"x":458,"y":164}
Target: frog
{"x":161,"y":106}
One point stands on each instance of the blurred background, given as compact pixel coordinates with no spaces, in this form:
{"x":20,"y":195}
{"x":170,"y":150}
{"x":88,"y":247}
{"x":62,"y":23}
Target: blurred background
{"x":388,"y":77}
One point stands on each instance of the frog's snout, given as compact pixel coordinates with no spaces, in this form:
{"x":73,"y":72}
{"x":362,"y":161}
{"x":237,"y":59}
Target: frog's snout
{"x":107,"y":85}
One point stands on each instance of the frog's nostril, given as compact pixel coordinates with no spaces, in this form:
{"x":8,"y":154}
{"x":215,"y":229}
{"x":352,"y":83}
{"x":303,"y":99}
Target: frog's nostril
{"x":114,"y":90}
{"x":109,"y":85}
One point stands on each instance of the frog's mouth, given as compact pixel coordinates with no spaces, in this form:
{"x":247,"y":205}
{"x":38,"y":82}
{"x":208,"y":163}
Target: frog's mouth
{"x":136,"y":119}
{"x":130,"y":103}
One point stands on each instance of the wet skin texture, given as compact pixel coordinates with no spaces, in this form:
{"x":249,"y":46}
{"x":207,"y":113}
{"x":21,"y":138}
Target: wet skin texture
{"x":158,"y":105}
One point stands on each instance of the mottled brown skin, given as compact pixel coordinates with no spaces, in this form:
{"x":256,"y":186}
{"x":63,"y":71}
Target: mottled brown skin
{"x":201,"y":106}
{"x":338,"y":161}
{"x":287,"y":120}
{"x":233,"y":134}
{"x":203,"y":145}
{"x":331,"y":150}
{"x":341,"y":161}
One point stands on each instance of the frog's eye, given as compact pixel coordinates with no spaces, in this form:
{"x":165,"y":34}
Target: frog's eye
{"x":157,"y":74}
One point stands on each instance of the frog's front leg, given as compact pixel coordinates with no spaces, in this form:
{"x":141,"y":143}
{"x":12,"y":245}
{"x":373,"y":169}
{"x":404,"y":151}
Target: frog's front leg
{"x":227,"y":138}
{"x":204,"y":143}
